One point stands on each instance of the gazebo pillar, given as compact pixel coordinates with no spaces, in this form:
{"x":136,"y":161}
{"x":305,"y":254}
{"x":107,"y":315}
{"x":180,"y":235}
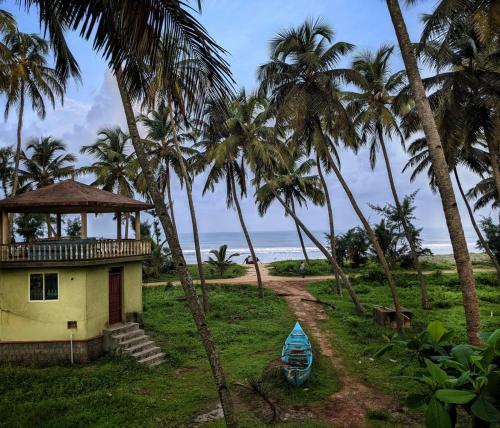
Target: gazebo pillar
{"x":83,"y":219}
{"x":138,"y":225}
{"x":58,"y":225}
{"x":4,"y":220}
{"x":119,"y":226}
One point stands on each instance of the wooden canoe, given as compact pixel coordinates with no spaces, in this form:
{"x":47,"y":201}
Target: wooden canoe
{"x":297,"y":356}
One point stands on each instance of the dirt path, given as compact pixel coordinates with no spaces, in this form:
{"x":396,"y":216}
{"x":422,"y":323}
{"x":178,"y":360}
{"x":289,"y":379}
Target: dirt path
{"x":349,"y":406}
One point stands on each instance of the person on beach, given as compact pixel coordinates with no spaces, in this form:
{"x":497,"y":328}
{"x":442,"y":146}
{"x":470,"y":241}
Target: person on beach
{"x":249,"y":260}
{"x":302,"y":269}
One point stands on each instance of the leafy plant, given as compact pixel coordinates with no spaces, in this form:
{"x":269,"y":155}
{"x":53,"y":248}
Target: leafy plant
{"x":492,"y":236}
{"x":221,"y":262}
{"x":454,"y":376}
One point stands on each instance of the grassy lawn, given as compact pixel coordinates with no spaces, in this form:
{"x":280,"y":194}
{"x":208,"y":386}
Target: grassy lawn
{"x":233,"y":271}
{"x":359,"y":338}
{"x":117,"y":392}
{"x":322,"y":267}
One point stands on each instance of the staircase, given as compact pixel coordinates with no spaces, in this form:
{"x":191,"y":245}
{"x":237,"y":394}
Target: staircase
{"x":129,"y":339}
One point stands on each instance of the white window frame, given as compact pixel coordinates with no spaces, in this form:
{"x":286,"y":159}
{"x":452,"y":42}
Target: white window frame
{"x":44,"y":300}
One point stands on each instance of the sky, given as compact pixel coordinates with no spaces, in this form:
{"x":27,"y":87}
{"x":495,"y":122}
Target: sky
{"x":244,"y":29}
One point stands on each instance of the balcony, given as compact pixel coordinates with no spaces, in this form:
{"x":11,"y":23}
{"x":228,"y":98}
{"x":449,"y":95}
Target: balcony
{"x":64,"y":252}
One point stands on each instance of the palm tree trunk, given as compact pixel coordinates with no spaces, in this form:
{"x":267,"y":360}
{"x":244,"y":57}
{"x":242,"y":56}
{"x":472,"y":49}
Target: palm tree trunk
{"x":345,"y":279}
{"x":15,"y":183}
{"x":375,"y":243}
{"x":247,"y":237}
{"x":443,"y":180}
{"x":333,"y":245}
{"x":301,"y":239}
{"x":126,"y":224}
{"x":169,"y":197}
{"x":424,"y":297}
{"x":484,"y":244}
{"x":493,"y":141}
{"x":178,"y":258}
{"x":196,"y":237}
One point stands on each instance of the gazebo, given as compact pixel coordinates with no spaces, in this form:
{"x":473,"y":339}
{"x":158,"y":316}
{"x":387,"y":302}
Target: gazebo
{"x":59,"y":295}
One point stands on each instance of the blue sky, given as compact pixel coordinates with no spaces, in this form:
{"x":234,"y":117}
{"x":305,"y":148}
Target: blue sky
{"x":244,"y":29}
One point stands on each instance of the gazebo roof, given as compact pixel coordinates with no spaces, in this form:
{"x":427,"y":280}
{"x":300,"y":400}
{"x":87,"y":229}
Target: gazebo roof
{"x":70,"y":196}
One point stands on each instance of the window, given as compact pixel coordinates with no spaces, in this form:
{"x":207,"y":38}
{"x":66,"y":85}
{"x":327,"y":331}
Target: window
{"x":44,"y":286}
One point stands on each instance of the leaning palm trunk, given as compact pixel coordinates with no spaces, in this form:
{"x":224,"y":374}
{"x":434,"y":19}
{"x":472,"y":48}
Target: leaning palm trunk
{"x":333,"y":245}
{"x":196,"y":237}
{"x":169,"y":197}
{"x":15,"y":183}
{"x":443,"y":180}
{"x":178,"y":258}
{"x":301,"y":239}
{"x":424,"y":298}
{"x":484,"y":244}
{"x":345,"y":279}
{"x":247,"y":237}
{"x":375,"y":243}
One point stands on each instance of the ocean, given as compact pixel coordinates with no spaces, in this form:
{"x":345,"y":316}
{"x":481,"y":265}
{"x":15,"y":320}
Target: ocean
{"x":284,"y":245}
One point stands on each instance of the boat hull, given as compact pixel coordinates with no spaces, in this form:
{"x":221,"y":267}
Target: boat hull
{"x":297,"y":356}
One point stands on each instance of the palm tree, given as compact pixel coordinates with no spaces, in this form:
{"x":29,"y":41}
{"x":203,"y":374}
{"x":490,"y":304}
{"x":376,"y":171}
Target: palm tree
{"x":303,"y":85}
{"x":473,"y":157}
{"x":484,"y":193}
{"x":114,"y":168}
{"x":178,"y":258}
{"x":222,"y":261}
{"x":295,"y":184}
{"x":129,"y":36}
{"x":29,"y":79}
{"x":6,"y":169}
{"x":443,"y":180}
{"x":44,"y":162}
{"x":377,"y":119}
{"x":227,"y":150}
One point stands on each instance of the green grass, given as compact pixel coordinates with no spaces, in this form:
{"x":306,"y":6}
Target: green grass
{"x":234,"y":271}
{"x":318,"y":267}
{"x":117,"y":392}
{"x":358,"y":338}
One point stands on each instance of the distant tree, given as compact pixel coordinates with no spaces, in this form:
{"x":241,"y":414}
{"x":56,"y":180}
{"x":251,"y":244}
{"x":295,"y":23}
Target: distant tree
{"x":6,"y":169}
{"x":222,"y":261}
{"x":44,"y":162}
{"x":356,"y":244}
{"x":73,"y":227}
{"x":29,"y":226}
{"x":492,"y":236}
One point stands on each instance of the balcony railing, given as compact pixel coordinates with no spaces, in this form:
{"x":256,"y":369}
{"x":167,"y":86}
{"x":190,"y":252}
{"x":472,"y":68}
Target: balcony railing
{"x":78,"y":250}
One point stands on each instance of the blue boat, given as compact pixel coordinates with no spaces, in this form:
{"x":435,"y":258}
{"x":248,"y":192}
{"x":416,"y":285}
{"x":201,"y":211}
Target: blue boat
{"x":297,"y":356}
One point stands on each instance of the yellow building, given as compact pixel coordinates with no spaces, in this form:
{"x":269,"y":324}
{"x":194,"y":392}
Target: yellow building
{"x":69,"y":299}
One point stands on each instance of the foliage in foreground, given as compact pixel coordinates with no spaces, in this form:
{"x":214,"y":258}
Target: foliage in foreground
{"x":454,"y":376}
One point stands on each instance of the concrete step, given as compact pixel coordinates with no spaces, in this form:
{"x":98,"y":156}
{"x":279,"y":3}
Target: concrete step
{"x":152,"y":359}
{"x":147,"y":352}
{"x":122,"y":328}
{"x":156,"y":363}
{"x":128,"y":335}
{"x":134,"y":341}
{"x":139,"y":347}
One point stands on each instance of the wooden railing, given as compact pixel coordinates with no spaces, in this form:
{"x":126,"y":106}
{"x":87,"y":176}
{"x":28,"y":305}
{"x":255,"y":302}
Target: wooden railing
{"x":66,"y":250}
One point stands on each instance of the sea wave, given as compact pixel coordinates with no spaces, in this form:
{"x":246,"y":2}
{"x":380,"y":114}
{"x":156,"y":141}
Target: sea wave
{"x":266,"y":250}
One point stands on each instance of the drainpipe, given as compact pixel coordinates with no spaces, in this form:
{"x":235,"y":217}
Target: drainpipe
{"x":71,"y":347}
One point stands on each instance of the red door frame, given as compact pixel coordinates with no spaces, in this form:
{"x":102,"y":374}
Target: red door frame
{"x":115,"y":295}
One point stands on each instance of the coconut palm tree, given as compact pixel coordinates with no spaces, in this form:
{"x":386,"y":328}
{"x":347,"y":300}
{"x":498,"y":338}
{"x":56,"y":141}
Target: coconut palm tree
{"x":472,"y":157}
{"x":114,"y":168}
{"x":377,"y":120}
{"x":443,"y":180}
{"x":6,"y":169}
{"x":30,"y":79}
{"x":303,"y":85}
{"x":221,"y":261}
{"x":128,"y":36}
{"x":484,"y":193}
{"x":294,"y":182}
{"x":44,"y":162}
{"x":227,"y":150}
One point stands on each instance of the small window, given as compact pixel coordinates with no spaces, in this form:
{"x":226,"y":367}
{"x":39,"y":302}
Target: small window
{"x":44,"y":286}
